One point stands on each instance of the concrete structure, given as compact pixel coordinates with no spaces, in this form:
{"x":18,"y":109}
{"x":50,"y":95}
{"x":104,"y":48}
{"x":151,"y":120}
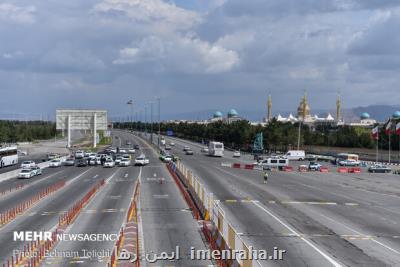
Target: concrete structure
{"x":81,"y":119}
{"x":365,"y":121}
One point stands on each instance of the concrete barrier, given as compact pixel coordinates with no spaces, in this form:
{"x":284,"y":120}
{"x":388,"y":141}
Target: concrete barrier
{"x":324,"y":169}
{"x":342,"y":170}
{"x":236,"y":165}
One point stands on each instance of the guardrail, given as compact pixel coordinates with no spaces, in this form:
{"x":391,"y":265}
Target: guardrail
{"x":216,"y":228}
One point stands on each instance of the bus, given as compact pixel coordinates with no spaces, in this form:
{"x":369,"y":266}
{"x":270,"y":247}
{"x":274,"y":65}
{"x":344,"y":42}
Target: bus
{"x":8,"y":156}
{"x":216,"y":149}
{"x":345,"y":156}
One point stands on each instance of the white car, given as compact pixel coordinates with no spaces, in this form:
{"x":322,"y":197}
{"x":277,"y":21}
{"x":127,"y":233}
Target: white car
{"x":92,"y":155}
{"x":28,"y":164}
{"x":167,"y":158}
{"x":186,"y":148}
{"x":26,"y":173}
{"x":118,"y":160}
{"x":132,"y":151}
{"x":349,"y":162}
{"x":36,"y":170}
{"x":141,"y":161}
{"x":125,"y":162}
{"x":122,"y":150}
{"x":109,"y":163}
{"x":236,"y":154}
{"x":55,"y":163}
{"x":171,"y":143}
{"x":79,"y":154}
{"x":204,"y":149}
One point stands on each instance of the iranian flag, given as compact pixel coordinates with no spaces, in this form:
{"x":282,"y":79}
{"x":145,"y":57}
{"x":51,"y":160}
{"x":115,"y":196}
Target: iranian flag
{"x":375,"y":133}
{"x":398,"y":128}
{"x":388,"y":128}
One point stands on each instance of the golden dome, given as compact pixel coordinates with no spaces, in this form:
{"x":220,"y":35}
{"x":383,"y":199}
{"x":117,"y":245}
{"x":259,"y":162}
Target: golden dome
{"x":304,"y":109}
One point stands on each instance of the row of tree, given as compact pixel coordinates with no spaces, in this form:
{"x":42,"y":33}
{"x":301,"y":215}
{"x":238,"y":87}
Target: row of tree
{"x":22,"y":131}
{"x":277,"y":135}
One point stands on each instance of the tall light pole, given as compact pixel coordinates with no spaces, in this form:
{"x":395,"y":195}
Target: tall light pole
{"x":159,"y":121}
{"x":130,"y":103}
{"x":151,"y":121}
{"x":145,"y":118}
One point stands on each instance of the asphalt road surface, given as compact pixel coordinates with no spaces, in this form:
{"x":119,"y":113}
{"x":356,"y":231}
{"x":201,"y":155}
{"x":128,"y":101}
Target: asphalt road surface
{"x":320,"y":219}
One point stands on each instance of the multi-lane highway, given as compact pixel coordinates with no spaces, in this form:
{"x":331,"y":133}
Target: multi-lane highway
{"x":320,"y":219}
{"x":166,"y":221}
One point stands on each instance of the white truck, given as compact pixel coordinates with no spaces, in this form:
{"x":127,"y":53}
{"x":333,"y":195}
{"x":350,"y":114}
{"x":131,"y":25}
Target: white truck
{"x":215,"y":149}
{"x":295,"y":155}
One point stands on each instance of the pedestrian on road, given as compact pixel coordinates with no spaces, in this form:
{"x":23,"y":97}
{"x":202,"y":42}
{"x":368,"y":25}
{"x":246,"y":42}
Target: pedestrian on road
{"x":265,"y":174}
{"x":88,"y":161}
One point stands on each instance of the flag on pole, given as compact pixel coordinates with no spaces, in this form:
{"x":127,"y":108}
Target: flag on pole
{"x":375,"y":133}
{"x":388,"y":128}
{"x":130,"y":102}
{"x":398,"y":128}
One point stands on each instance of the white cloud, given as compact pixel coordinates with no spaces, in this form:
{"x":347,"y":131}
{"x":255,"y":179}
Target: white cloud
{"x":16,"y":14}
{"x":183,"y":54}
{"x":154,"y":12}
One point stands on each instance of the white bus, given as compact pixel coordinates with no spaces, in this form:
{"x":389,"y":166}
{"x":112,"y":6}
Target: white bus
{"x":216,"y":149}
{"x":8,"y":156}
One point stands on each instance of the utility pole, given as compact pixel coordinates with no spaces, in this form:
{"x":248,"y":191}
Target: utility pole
{"x":151,"y":121}
{"x":145,"y":118}
{"x":159,"y":121}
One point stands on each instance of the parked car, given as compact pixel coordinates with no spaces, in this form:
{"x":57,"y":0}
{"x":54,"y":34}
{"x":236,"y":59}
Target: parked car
{"x":125,"y":162}
{"x":118,"y":160}
{"x":236,"y":154}
{"x":204,"y":149}
{"x":79,"y":154}
{"x":141,"y":160}
{"x":36,"y":170}
{"x":132,"y":151}
{"x":109,"y":163}
{"x":28,"y":164}
{"x":26,"y":173}
{"x":379,"y":168}
{"x":189,"y":152}
{"x":136,"y":147}
{"x":313,"y":166}
{"x":81,"y":163}
{"x":69,"y":162}
{"x":55,"y":163}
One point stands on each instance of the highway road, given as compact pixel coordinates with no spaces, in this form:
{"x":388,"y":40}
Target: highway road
{"x":320,"y":219}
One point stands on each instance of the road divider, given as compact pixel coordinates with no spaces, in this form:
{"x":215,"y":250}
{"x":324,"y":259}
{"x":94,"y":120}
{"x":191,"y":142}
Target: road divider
{"x":129,"y":235}
{"x":68,"y":217}
{"x":349,"y":170}
{"x":12,"y":213}
{"x":217,"y":229}
{"x":12,"y":189}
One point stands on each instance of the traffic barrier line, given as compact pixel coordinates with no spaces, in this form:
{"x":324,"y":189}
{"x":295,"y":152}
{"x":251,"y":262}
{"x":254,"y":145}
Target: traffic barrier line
{"x":13,"y":213}
{"x":129,"y":235}
{"x":67,"y":218}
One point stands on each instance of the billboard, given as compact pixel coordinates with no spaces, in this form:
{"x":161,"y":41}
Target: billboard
{"x":81,"y":119}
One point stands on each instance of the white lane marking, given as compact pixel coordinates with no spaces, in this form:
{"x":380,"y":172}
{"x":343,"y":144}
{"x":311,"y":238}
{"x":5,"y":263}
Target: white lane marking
{"x":359,"y":233}
{"x":94,"y":177}
{"x":141,"y":235}
{"x":323,"y":254}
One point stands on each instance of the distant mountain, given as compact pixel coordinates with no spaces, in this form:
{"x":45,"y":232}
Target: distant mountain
{"x":378,"y":112}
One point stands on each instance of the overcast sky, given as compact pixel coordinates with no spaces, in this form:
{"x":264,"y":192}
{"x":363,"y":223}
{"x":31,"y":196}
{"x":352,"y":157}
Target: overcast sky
{"x":197,"y":54}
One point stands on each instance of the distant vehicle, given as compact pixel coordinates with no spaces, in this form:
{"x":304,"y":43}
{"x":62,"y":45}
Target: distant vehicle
{"x":216,"y":149}
{"x":136,"y":147}
{"x":55,"y":163}
{"x":132,"y":151}
{"x":349,"y":162}
{"x":109,"y":163}
{"x":26,"y":173}
{"x":126,"y":156}
{"x":162,"y":142}
{"x":167,"y":158}
{"x":118,"y":160}
{"x":122,"y":150}
{"x":8,"y":156}
{"x":52,"y":156}
{"x":274,"y":163}
{"x":113,"y":149}
{"x":204,"y":149}
{"x":186,"y":148}
{"x":92,"y":156}
{"x":81,"y":163}
{"x":189,"y":152}
{"x":125,"y":162}
{"x":69,"y":162}
{"x":37,"y":170}
{"x":86,"y":154}
{"x":128,"y":143}
{"x":310,"y":157}
{"x":28,"y":164}
{"x":313,"y":166}
{"x":22,"y":153}
{"x":141,"y":160}
{"x":171,"y":143}
{"x":167,"y":147}
{"x":346,"y":156}
{"x":236,"y":154}
{"x":79,"y":154}
{"x":295,"y":155}
{"x":379,"y":168}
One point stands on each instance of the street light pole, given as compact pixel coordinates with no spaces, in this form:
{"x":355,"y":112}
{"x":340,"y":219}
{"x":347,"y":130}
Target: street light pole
{"x":151,"y":121}
{"x":159,"y":121}
{"x":130,"y":103}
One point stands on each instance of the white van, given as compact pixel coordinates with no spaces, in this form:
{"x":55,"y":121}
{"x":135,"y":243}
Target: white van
{"x":275,"y":162}
{"x":295,"y":155}
{"x":216,"y":149}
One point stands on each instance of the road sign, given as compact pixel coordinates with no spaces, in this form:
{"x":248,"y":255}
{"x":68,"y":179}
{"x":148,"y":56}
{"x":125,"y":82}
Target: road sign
{"x":170,"y":133}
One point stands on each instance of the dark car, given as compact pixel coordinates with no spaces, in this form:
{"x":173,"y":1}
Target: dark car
{"x":81,"y":163}
{"x":136,"y":147}
{"x":379,"y":168}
